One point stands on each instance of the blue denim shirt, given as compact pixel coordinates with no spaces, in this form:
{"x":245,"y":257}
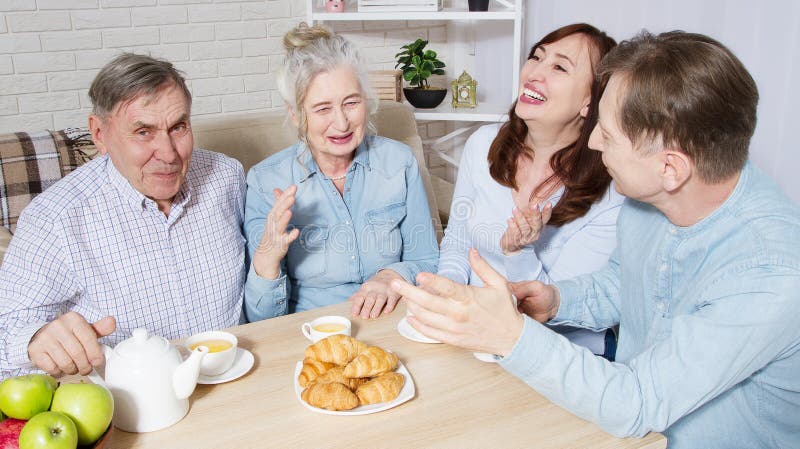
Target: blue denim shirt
{"x":709,"y":340}
{"x":381,"y":221}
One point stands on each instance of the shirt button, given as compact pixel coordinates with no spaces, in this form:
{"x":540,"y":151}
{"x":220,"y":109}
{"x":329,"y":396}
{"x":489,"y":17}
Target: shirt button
{"x":353,"y":257}
{"x":673,"y":231}
{"x":347,"y":222}
{"x":663,"y":267}
{"x":660,"y":306}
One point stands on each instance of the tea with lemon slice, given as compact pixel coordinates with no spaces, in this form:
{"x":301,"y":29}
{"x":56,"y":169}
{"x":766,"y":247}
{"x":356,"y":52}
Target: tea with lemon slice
{"x":217,"y":345}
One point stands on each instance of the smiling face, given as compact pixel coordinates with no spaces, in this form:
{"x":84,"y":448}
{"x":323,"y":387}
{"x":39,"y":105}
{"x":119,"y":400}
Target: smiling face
{"x":636,"y":170}
{"x":149,"y":141}
{"x":555,"y":83}
{"x":336,"y":114}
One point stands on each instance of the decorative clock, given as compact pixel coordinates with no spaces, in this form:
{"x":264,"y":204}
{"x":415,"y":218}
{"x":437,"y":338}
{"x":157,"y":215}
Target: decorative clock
{"x":464,"y":89}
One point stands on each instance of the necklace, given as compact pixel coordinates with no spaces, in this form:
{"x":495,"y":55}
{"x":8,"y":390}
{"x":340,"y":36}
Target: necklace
{"x":337,"y":178}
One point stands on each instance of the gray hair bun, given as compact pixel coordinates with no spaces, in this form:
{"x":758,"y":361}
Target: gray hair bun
{"x":303,"y":35}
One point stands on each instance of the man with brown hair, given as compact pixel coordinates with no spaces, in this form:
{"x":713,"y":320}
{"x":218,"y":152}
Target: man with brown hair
{"x":703,"y":283}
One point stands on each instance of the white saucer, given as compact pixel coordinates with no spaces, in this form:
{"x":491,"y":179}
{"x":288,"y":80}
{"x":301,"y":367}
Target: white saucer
{"x":241,"y":365}
{"x":485,"y":357}
{"x":410,"y":333}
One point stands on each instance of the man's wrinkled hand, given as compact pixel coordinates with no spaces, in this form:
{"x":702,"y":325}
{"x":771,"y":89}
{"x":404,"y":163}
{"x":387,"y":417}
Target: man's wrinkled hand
{"x":68,"y":345}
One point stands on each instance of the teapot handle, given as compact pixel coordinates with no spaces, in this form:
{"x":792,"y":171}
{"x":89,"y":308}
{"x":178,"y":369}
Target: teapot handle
{"x":94,"y":376}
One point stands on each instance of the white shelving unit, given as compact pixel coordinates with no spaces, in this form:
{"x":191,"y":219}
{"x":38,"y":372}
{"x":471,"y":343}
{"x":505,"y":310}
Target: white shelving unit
{"x":444,"y":14}
{"x":499,"y":10}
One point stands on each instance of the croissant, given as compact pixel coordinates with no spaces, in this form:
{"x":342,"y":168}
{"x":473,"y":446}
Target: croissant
{"x":338,"y":349}
{"x":336,"y":374}
{"x":371,"y":362}
{"x":311,"y":370}
{"x":332,"y":396}
{"x":383,"y":388}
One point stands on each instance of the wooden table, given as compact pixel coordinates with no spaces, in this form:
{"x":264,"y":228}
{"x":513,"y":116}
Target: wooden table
{"x":460,"y":402}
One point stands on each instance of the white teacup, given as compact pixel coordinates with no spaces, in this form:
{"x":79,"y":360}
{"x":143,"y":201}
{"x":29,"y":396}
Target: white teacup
{"x":221,"y":351}
{"x":325,"y":326}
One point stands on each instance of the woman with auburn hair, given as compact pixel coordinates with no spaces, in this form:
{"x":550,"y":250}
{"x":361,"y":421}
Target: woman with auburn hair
{"x":531,"y":196}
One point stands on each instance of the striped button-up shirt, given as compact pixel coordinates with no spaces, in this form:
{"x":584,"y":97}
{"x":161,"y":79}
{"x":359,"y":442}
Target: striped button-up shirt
{"x":94,"y":245}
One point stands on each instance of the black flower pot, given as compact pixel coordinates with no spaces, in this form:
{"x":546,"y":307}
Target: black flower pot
{"x":478,"y":5}
{"x":425,"y":98}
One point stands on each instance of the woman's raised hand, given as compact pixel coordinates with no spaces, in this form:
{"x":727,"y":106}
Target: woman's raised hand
{"x":276,"y":240}
{"x":524,"y":227}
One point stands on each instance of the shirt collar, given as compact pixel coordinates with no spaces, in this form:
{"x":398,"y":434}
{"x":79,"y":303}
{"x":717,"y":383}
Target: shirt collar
{"x":306,"y":160}
{"x":138,"y":200}
{"x":725,"y":207}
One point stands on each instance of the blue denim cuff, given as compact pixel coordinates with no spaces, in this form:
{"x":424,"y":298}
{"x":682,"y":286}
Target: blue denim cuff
{"x":265,"y":298}
{"x":571,"y":304}
{"x":403,"y":270}
{"x":531,"y":350}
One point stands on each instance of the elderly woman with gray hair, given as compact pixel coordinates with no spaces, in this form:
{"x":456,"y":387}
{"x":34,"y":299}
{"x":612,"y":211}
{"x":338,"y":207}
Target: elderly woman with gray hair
{"x":341,"y":213}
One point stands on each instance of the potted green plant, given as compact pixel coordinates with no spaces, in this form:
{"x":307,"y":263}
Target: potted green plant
{"x":418,"y":65}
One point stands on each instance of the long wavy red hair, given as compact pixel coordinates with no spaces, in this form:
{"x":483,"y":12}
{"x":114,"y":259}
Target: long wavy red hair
{"x":578,"y":168}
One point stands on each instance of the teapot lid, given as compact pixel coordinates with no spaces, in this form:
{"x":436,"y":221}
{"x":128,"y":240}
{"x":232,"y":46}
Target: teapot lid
{"x":142,"y":345}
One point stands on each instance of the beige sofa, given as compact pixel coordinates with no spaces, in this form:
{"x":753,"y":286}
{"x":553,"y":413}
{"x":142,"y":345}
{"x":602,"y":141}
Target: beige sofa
{"x":252,"y":137}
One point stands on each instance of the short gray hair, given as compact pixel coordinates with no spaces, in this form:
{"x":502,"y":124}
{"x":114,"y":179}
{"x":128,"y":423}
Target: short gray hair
{"x":130,"y":75}
{"x":309,"y":52}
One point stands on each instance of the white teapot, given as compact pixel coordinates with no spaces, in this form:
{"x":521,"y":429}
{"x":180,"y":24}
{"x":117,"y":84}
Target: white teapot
{"x":149,"y":380}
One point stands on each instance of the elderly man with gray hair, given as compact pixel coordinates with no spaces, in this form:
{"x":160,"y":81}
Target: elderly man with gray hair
{"x":147,"y":235}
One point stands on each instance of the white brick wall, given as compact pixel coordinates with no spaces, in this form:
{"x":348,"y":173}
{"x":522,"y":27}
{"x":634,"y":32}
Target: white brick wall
{"x":43,"y":62}
{"x":50,"y":50}
{"x":105,"y":18}
{"x":67,"y":4}
{"x":19,"y":5}
{"x":161,"y":15}
{"x":8,"y":105}
{"x":19,"y":44}
{"x":6,"y":68}
{"x":71,"y":40}
{"x":59,"y":101}
{"x":38,"y":21}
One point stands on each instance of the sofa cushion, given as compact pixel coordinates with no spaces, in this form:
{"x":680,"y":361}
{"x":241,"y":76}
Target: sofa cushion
{"x":32,"y":162}
{"x":5,"y":239}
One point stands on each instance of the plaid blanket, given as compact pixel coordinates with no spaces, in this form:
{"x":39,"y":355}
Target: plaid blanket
{"x":32,"y":162}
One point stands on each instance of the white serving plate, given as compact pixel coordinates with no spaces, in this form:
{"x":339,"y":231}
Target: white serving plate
{"x":405,"y":395}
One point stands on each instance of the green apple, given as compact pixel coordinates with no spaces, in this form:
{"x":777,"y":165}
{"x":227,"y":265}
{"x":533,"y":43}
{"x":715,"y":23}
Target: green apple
{"x":49,"y":430}
{"x":22,"y":397}
{"x":51,"y":379}
{"x":89,"y":406}
{"x":2,"y":416}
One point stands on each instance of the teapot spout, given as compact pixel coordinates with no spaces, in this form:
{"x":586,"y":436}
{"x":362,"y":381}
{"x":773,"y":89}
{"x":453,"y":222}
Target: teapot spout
{"x":94,"y":376}
{"x":184,"y":379}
